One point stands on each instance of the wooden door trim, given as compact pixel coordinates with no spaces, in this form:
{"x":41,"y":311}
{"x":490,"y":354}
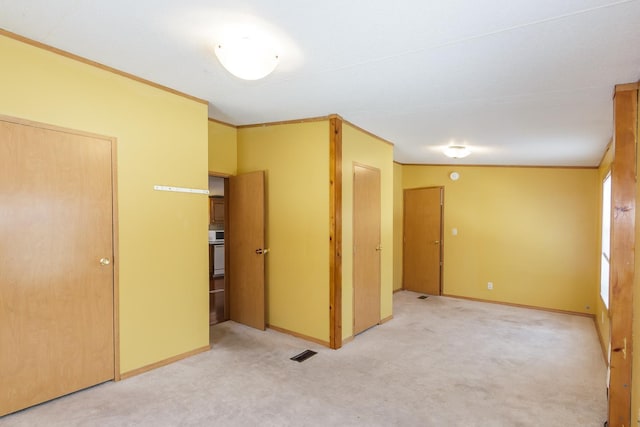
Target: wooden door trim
{"x":362,"y":165}
{"x":441,"y":239}
{"x":353,"y":270}
{"x":219,"y":174}
{"x":227,"y":266}
{"x":41,"y":125}
{"x":404,"y":228}
{"x":622,"y":269}
{"x":114,"y":221}
{"x":335,"y":232}
{"x":227,"y":270}
{"x":116,"y":259}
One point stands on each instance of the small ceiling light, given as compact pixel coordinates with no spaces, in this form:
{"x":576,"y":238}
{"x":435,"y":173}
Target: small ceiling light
{"x":247,"y":58}
{"x":457,"y":151}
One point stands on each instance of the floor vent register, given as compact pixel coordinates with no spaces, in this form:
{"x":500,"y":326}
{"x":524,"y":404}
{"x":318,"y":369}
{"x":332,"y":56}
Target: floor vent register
{"x":303,"y":356}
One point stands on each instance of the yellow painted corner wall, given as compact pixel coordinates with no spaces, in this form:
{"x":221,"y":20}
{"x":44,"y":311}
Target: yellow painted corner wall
{"x":398,"y":218}
{"x":161,"y":139}
{"x":223,"y":148}
{"x":362,"y":148}
{"x":295,"y":158}
{"x":601,"y":312}
{"x":533,"y":232}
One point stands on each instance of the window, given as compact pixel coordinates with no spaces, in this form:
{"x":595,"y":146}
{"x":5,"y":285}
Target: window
{"x":606,"y":240}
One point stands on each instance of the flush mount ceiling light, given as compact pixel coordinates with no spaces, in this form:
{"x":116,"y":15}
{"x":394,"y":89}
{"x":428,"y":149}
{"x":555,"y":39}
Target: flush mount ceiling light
{"x":247,"y":58}
{"x":457,"y":151}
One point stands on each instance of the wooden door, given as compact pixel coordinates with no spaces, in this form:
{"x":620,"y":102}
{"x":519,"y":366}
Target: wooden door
{"x":245,"y":240}
{"x":422,"y":254}
{"x":56,"y":297}
{"x":366,"y":248}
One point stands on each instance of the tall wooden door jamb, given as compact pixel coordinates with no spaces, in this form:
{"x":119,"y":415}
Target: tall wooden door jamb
{"x":335,"y":232}
{"x":622,"y":270}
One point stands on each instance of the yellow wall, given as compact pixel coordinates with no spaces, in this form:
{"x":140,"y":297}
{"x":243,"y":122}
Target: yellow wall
{"x":533,"y":232}
{"x":398,"y":209}
{"x":161,"y":139}
{"x":296,"y":160}
{"x":362,"y":148}
{"x":601,"y":312}
{"x":223,"y":148}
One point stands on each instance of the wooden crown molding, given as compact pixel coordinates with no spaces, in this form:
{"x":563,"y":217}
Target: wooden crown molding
{"x":604,"y":153}
{"x":86,"y":61}
{"x":316,"y":119}
{"x":286,"y":122}
{"x":452,"y":165}
{"x":220,"y":122}
{"x":373,"y":135}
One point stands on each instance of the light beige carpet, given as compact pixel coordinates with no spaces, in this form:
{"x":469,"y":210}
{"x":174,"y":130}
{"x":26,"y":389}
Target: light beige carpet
{"x":440,"y":362}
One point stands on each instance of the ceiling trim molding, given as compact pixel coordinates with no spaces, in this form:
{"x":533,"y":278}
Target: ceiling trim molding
{"x":220,"y":122}
{"x":286,"y":122}
{"x":86,"y":61}
{"x":498,"y":166}
{"x":604,"y":153}
{"x":315,"y":119}
{"x":368,"y":133}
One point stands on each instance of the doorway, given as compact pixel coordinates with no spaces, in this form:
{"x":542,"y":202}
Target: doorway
{"x":366,"y":247}
{"x":218,"y":293}
{"x":237,"y":249}
{"x":57,"y":277}
{"x":422,"y":260}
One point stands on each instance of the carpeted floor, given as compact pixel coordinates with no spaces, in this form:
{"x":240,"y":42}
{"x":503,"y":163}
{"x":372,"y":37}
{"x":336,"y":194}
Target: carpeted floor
{"x":440,"y":362}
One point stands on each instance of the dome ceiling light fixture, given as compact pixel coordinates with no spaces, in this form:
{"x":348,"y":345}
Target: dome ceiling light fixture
{"x":247,"y":58}
{"x":457,"y":151}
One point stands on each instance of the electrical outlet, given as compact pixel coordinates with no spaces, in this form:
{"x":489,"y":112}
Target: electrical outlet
{"x":490,"y":286}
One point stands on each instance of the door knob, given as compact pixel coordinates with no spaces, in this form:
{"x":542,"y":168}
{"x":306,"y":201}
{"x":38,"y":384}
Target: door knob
{"x":378,"y":248}
{"x":436,"y":242}
{"x":262,"y":251}
{"x":105,"y":261}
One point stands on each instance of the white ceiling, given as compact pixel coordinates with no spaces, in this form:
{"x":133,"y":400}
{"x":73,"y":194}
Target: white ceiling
{"x":522,"y":82}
